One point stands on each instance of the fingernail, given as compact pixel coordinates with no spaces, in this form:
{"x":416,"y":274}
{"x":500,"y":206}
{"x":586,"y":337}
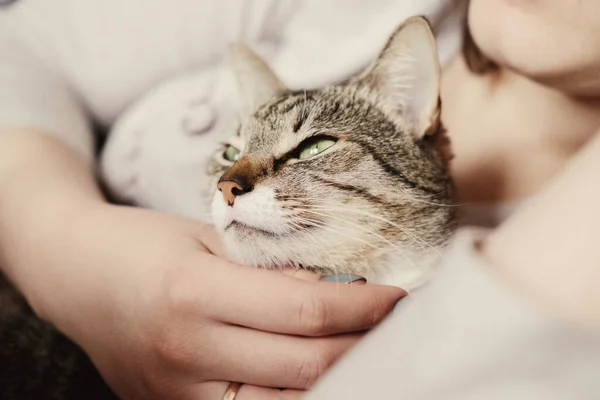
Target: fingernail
{"x":344,"y":278}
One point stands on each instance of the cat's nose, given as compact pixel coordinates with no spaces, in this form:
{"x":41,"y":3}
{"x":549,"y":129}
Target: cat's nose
{"x":231,"y":189}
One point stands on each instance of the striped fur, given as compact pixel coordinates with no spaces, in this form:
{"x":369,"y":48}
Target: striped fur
{"x":377,"y":203}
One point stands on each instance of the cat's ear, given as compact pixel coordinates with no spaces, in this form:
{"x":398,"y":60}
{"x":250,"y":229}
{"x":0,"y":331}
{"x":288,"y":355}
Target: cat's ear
{"x":257,"y":83}
{"x":405,"y":77}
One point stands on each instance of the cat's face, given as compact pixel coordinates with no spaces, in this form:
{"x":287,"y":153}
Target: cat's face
{"x":343,"y":179}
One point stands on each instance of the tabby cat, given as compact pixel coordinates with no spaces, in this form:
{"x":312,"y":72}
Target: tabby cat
{"x":349,"y":178}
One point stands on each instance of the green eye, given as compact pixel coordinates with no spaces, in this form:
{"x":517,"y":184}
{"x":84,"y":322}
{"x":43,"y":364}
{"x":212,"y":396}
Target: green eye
{"x":231,"y":153}
{"x":315,"y":147}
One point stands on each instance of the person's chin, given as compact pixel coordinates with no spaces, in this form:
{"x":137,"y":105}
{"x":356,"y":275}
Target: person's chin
{"x":509,"y":37}
{"x":529,"y":38}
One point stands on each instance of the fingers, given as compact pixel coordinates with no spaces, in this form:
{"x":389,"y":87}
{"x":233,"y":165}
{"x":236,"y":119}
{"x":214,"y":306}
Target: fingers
{"x":215,"y":391}
{"x":302,"y":274}
{"x":317,"y":309}
{"x":271,"y":360}
{"x":211,"y":240}
{"x":275,"y":302}
{"x":308,"y":276}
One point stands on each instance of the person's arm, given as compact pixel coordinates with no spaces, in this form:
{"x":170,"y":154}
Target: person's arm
{"x":513,"y":314}
{"x":145,"y":294}
{"x":45,"y":189}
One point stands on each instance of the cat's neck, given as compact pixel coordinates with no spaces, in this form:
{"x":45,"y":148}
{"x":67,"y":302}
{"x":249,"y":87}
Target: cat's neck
{"x":407,"y":270}
{"x":510,"y":134}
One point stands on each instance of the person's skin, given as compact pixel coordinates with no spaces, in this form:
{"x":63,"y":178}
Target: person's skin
{"x":529,"y":131}
{"x":530,"y":128}
{"x":548,"y":257}
{"x":550,"y":250}
{"x":148,"y":296}
{"x":512,"y":130}
{"x":511,"y":134}
{"x":551,"y":48}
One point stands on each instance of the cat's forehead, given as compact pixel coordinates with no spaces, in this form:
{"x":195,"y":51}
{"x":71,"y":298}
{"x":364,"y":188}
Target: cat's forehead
{"x":295,"y":115}
{"x":280,"y":121}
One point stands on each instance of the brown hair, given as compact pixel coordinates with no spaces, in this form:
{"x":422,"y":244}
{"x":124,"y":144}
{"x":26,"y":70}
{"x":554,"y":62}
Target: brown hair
{"x":477,"y":62}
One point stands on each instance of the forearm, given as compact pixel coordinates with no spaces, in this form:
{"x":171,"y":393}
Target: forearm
{"x":43,"y":188}
{"x":551,"y":249}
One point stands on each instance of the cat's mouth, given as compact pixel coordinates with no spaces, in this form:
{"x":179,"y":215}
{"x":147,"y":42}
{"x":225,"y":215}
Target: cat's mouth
{"x":243,"y":228}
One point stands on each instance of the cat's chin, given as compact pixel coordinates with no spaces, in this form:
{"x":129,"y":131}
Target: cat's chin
{"x":258,"y":249}
{"x":262,"y":249}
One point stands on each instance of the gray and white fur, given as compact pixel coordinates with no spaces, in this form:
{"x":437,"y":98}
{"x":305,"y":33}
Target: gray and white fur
{"x":350,"y":178}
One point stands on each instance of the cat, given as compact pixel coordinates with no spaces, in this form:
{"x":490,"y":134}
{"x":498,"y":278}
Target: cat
{"x":349,"y":178}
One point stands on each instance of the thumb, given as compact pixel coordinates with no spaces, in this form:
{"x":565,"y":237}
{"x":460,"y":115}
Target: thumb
{"x":314,"y":277}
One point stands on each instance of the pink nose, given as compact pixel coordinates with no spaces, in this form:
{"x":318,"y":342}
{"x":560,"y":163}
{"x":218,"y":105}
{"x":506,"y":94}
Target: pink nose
{"x":230,"y":190}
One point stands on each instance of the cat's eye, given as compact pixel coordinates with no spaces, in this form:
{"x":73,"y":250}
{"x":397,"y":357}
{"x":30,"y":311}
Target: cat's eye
{"x":231,"y":153}
{"x":314,"y":147}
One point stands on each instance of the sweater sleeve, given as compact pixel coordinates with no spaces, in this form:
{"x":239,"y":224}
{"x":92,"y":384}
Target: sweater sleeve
{"x":468,"y":335}
{"x":33,"y":94}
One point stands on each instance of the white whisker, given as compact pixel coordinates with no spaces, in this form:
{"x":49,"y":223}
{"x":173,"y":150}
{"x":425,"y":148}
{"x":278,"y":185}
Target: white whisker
{"x":403,"y":229}
{"x":380,"y":237}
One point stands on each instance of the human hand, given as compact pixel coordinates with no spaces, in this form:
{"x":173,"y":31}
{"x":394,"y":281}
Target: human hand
{"x":163,"y":316}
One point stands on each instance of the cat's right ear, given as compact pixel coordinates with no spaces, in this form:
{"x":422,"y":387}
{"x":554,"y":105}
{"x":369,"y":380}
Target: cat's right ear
{"x":405,"y":77}
{"x":257,"y":83}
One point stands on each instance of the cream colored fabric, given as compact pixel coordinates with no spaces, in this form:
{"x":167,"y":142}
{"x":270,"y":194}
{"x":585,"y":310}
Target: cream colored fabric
{"x":468,"y":336}
{"x":60,"y":56}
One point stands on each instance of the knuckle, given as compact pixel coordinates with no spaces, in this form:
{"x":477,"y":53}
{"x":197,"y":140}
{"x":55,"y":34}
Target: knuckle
{"x":154,"y":386}
{"x":154,"y":383}
{"x":312,"y":367}
{"x":169,"y":330}
{"x":313,"y":317}
{"x":178,"y":296}
{"x":173,"y":348}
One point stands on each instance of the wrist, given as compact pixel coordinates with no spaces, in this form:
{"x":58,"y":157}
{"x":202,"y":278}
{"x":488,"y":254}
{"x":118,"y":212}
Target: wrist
{"x":44,"y":189}
{"x":38,"y":249}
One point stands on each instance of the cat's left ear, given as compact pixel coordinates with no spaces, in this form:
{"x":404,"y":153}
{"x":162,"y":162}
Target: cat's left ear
{"x":405,"y":77}
{"x":257,"y":83}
